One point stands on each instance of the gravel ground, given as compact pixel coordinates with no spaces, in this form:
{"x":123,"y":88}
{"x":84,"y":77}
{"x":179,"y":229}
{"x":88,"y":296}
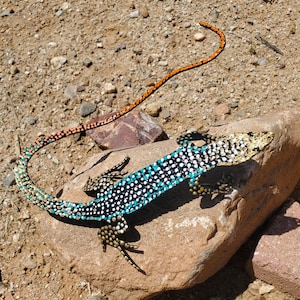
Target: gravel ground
{"x":58,"y":56}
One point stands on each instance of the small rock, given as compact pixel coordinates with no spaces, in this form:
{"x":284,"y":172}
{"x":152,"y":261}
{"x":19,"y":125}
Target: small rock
{"x":55,"y":160}
{"x":97,"y":37}
{"x":13,"y":70}
{"x":166,"y":114}
{"x":199,"y":37}
{"x":24,"y":215}
{"x":163,"y":63}
{"x":81,"y":88}
{"x":70,"y":91}
{"x":214,"y":15}
{"x":233,"y":105}
{"x":30,"y":264}
{"x":87,"y":62}
{"x":186,"y":24}
{"x":153,"y":109}
{"x":250,"y":21}
{"x":59,"y":13}
{"x":5,"y":13}
{"x":58,"y":61}
{"x":97,"y":297}
{"x":11,"y":61}
{"x":65,"y":6}
{"x":168,"y":9}
{"x":87,"y":108}
{"x":281,"y":65}
{"x":175,"y":85}
{"x":261,"y":61}
{"x":265,"y":289}
{"x":31,"y":121}
{"x":109,"y":88}
{"x":52,"y":44}
{"x":150,"y":59}
{"x":169,"y":18}
{"x":144,"y":12}
{"x":137,"y":51}
{"x":292,"y":27}
{"x":9,"y":180}
{"x":69,"y":167}
{"x":149,"y":82}
{"x":99,"y":45}
{"x":134,"y":14}
{"x":221,"y":109}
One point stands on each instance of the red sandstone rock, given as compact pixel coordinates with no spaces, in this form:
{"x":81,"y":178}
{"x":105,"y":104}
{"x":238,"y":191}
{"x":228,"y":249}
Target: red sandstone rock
{"x":135,"y":128}
{"x":276,"y":259}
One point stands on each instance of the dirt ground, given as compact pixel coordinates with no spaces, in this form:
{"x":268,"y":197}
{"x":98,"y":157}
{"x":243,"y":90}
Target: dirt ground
{"x":131,"y":44}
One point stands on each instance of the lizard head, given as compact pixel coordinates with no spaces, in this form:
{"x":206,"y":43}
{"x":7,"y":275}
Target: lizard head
{"x":237,"y":148}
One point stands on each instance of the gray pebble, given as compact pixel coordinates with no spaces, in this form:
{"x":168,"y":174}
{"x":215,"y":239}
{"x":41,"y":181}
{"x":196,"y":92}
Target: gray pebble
{"x":58,"y":61}
{"x":87,"y":108}
{"x":87,"y":62}
{"x":163,"y":63}
{"x":9,"y":180}
{"x":31,"y":121}
{"x":70,"y":91}
{"x":134,"y":14}
{"x":65,"y":6}
{"x":59,"y":13}
{"x":175,"y":85}
{"x":214,"y":15}
{"x":52,"y":44}
{"x":168,"y":9}
{"x":30,"y":264}
{"x":261,"y":61}
{"x":11,"y":61}
{"x":109,"y":88}
{"x":233,"y":105}
{"x":250,"y":21}
{"x":186,"y":24}
{"x":97,"y":37}
{"x":5,"y":13}
{"x":165,"y":114}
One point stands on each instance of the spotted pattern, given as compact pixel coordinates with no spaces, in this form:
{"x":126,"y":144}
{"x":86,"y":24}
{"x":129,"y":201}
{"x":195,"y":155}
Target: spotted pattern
{"x":143,"y":186}
{"x":139,"y":188}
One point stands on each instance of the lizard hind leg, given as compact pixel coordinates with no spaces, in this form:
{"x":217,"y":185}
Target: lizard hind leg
{"x":109,"y":234}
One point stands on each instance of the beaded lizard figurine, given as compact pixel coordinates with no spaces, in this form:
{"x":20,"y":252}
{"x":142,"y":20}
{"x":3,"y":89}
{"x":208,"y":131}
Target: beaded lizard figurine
{"x":136,"y":190}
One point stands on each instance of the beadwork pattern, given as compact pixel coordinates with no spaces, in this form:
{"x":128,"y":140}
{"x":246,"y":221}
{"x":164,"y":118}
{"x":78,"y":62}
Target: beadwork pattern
{"x":138,"y":189}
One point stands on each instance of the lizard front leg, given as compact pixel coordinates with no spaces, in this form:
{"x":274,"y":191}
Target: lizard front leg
{"x":222,"y":186}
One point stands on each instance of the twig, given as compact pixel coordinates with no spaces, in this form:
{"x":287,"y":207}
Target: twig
{"x":271,"y":46}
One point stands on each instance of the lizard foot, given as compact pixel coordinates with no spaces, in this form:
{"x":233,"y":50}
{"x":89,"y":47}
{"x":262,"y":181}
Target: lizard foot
{"x":109,"y":235}
{"x":222,"y":186}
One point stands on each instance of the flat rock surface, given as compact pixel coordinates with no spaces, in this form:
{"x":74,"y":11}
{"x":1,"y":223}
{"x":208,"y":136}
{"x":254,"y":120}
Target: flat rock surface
{"x":185,"y":240}
{"x":276,"y":259}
